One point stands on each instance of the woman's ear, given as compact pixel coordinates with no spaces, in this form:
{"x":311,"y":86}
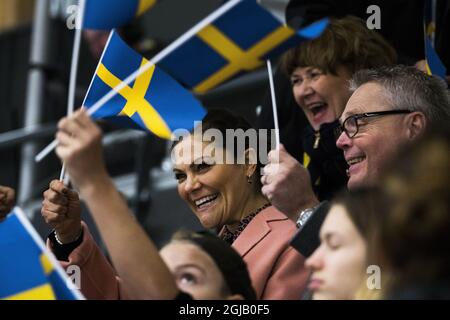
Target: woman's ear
{"x":251,"y":161}
{"x":235,"y":297}
{"x":416,"y":124}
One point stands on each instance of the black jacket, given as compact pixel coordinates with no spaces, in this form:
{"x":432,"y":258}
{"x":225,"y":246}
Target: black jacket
{"x":324,"y":160}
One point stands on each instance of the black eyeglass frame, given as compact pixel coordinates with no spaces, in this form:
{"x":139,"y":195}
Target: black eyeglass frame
{"x":358,"y":116}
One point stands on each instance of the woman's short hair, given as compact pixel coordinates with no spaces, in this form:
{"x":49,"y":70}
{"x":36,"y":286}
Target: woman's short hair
{"x":230,"y":263}
{"x":346,"y":42}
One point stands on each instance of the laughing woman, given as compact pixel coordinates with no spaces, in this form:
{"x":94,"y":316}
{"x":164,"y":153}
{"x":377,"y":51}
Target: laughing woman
{"x":226,"y":195}
{"x":192,"y":265}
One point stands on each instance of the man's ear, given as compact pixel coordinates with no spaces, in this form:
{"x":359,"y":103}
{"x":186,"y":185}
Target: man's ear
{"x":416,"y":124}
{"x":235,"y":297}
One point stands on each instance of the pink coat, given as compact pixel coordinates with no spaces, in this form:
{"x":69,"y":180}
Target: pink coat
{"x":276,"y":269}
{"x":98,"y":278}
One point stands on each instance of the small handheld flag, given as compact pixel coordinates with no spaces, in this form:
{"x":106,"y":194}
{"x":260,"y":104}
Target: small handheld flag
{"x":154,"y":102}
{"x":28,"y":271}
{"x":239,"y":40}
{"x":107,"y":15}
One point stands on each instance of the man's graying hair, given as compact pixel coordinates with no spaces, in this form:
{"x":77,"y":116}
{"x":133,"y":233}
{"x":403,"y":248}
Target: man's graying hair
{"x":409,"y":88}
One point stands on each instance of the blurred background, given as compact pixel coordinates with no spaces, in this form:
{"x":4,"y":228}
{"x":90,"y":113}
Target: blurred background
{"x":35,"y":55}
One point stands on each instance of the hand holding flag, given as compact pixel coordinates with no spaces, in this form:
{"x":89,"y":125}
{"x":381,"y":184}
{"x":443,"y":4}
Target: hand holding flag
{"x":7,"y":196}
{"x":80,"y":148}
{"x":154,"y":102}
{"x":61,"y":210}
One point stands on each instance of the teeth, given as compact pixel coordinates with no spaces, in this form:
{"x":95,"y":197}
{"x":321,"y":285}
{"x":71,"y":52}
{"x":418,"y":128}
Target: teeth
{"x":355,"y":160}
{"x":315,"y":108}
{"x":204,"y":200}
{"x":316,"y":105}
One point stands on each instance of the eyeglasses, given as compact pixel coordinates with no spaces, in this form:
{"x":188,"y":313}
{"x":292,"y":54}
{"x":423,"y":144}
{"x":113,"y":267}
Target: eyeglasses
{"x":351,"y":125}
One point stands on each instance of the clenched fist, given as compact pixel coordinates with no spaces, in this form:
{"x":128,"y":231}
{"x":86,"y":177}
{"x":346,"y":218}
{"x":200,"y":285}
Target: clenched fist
{"x":287,"y":184}
{"x":61,"y":210}
{"x":80,"y":147}
{"x":7,"y":196}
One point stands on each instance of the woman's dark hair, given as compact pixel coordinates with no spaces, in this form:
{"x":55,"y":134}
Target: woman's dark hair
{"x":230,"y":263}
{"x":223,"y":120}
{"x":365,"y":208}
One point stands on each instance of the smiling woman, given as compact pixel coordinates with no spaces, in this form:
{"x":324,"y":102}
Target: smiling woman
{"x":223,"y":196}
{"x":227,"y":197}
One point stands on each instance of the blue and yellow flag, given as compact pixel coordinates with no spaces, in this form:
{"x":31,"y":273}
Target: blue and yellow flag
{"x":153,"y":102}
{"x":110,"y":14}
{"x":238,"y":40}
{"x":433,"y":63}
{"x":26,"y":271}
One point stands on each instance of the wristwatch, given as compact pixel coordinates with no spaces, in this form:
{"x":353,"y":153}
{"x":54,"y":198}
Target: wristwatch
{"x":307,"y":239}
{"x":304,"y":216}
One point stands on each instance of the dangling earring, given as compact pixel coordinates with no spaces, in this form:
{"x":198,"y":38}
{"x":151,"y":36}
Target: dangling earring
{"x":249,"y":180}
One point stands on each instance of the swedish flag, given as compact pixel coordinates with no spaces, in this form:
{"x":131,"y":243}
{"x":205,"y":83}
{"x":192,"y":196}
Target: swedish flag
{"x":107,"y":15}
{"x":238,"y":40}
{"x":26,"y":272}
{"x":433,"y":63}
{"x":154,"y":101}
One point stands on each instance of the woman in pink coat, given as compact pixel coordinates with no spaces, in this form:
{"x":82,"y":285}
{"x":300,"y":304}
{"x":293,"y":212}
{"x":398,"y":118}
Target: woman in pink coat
{"x":223,"y":195}
{"x":223,"y":189}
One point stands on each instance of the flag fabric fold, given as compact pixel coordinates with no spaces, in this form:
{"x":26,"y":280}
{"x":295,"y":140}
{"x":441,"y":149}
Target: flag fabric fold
{"x":237,"y":41}
{"x":433,"y":63}
{"x":107,"y":15}
{"x":27,"y":270}
{"x":153,"y":101}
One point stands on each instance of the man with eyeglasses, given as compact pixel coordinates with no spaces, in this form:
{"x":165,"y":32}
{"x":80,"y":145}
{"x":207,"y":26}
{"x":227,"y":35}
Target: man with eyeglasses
{"x":390,"y":106}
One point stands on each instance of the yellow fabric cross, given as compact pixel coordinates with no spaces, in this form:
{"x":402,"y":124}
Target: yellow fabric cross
{"x":136,"y":102}
{"x":42,"y":292}
{"x":238,"y":59}
{"x":144,"y":5}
